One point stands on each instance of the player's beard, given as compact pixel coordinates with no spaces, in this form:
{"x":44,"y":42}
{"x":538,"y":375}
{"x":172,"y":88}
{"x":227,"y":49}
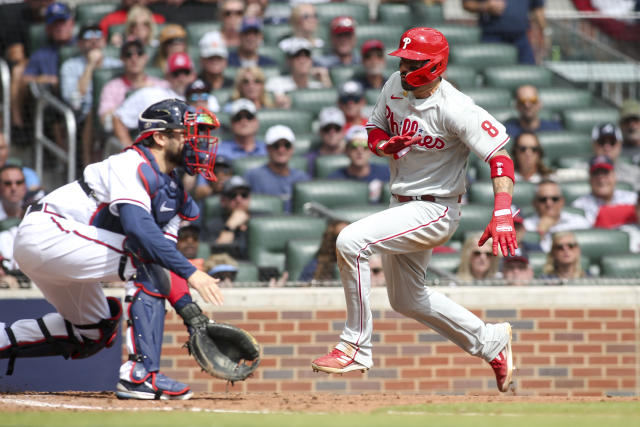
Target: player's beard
{"x":174,"y":154}
{"x":407,"y":86}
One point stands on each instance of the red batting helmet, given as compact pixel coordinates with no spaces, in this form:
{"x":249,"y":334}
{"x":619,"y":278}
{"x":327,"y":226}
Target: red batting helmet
{"x":424,"y":44}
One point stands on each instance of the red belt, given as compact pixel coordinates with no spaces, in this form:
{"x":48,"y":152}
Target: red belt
{"x":424,"y":198}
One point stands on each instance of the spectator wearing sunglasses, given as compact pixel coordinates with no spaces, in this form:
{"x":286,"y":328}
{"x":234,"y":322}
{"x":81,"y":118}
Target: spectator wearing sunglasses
{"x":304,"y":24}
{"x":250,"y":84}
{"x":223,"y":267}
{"x":351,"y":101}
{"x":173,"y":39}
{"x":606,"y":140}
{"x":330,"y":125}
{"x":564,"y":259}
{"x":527,"y":155}
{"x":550,"y":215}
{"x":251,"y":39}
{"x":477,"y":263}
{"x":198,"y":94}
{"x":119,"y":16}
{"x":13,"y":190}
{"x":214,"y":60}
{"x":342,"y":30}
{"x":231,"y":13}
{"x":528,"y":104}
{"x":244,"y":129}
{"x":277,"y":176}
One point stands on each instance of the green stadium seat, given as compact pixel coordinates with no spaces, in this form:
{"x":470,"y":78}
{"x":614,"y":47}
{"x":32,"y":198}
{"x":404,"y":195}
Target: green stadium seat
{"x":474,"y":217}
{"x":385,"y":196}
{"x":265,"y":203}
{"x":482,"y":55}
{"x":387,"y":34}
{"x":223,"y":96}
{"x":298,"y":121}
{"x":89,"y":14}
{"x":627,"y":265}
{"x":278,"y":11}
{"x":559,"y":99}
{"x":343,"y":73}
{"x":274,"y":33}
{"x":490,"y":97}
{"x":101,"y":77}
{"x":37,"y":37}
{"x":583,"y":119}
{"x":330,"y":193}
{"x":195,"y":31}
{"x":298,"y":253}
{"x":502,"y":114}
{"x":445,"y":261}
{"x":313,"y":100}
{"x":394,"y":14}
{"x":204,"y":250}
{"x":275,"y":53}
{"x":510,"y":77}
{"x":355,"y":213}
{"x":326,"y":164}
{"x":462,"y":77}
{"x":8,"y":223}
{"x":424,"y":14}
{"x":557,"y":144}
{"x":460,"y":34}
{"x":327,"y":11}
{"x":243,"y":164}
{"x":269,"y":235}
{"x":247,"y":272}
{"x":481,"y":192}
{"x":597,"y":242}
{"x":371,"y":96}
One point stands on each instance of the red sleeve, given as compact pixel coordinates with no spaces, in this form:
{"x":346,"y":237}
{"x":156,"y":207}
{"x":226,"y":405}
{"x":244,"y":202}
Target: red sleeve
{"x":375,"y":136}
{"x":179,"y":288}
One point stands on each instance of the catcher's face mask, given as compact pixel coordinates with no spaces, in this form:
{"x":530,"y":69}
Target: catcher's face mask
{"x":200,"y":147}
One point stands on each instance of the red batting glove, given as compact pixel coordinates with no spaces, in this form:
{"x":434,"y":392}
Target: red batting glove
{"x":501,"y":228}
{"x":398,"y":143}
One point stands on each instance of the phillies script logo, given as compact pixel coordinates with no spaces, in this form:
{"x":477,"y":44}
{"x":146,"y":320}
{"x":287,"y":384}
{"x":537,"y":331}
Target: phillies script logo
{"x":408,"y":125}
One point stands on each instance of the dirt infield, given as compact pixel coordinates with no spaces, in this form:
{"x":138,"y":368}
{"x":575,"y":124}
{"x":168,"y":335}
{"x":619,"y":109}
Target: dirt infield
{"x":261,"y":402}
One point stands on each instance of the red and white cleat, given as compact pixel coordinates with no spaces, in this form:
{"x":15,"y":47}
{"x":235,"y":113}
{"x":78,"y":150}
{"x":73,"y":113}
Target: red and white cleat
{"x":503,"y":366}
{"x":336,"y":362}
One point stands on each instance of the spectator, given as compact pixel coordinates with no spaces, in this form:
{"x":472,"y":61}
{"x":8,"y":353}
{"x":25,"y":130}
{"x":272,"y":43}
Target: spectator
{"x":602,"y":178}
{"x":529,"y":105}
{"x":173,"y":39}
{"x":331,"y":121}
{"x":13,"y":191}
{"x":188,"y":244}
{"x":180,"y":74}
{"x":633,"y":229}
{"x":304,"y":25}
{"x":507,"y":21}
{"x":343,"y":43}
{"x":213,"y":60}
{"x":231,"y":12}
{"x":277,"y":177}
{"x":527,"y":154}
{"x":477,"y":263}
{"x":198,"y":94}
{"x":564,"y":260}
{"x":323,"y":266}
{"x":205,"y":188}
{"x":360,"y":168}
{"x":377,"y":273}
{"x":119,"y":16}
{"x":247,"y":54}
{"x":607,"y":141}
{"x":140,"y":25}
{"x":516,"y":270}
{"x":250,"y":84}
{"x":134,"y":77}
{"x":630,"y":127}
{"x":374,"y":65}
{"x":244,"y":129}
{"x":256,"y":8}
{"x":550,"y":216}
{"x":302,"y":73}
{"x":223,"y":267}
{"x":352,"y":102}
{"x":32,"y":180}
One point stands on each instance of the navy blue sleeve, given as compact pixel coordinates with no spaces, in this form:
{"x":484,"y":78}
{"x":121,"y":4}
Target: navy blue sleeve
{"x":140,"y":227}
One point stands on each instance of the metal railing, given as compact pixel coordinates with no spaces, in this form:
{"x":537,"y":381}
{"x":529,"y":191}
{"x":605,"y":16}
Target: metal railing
{"x":5,"y":81}
{"x":47,"y":102}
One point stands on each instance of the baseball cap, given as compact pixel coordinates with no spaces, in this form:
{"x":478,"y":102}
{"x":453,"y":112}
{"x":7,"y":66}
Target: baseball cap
{"x":250,"y":23}
{"x":57,"y":12}
{"x":356,"y":134}
{"x":350,"y":90}
{"x":172,"y":31}
{"x":234,"y":183}
{"x":131,"y":43}
{"x":278,"y":132}
{"x":242,"y":104}
{"x":188,"y":231}
{"x":198,"y":86}
{"x":295,"y":45}
{"x":89,"y":32}
{"x":331,"y":116}
{"x":223,"y":161}
{"x":223,"y":268}
{"x":606,"y":129}
{"x":342,"y":25}
{"x":522,"y":257}
{"x":370,"y":45}
{"x":600,"y":162}
{"x":630,"y":109}
{"x":179,"y":61}
{"x":212,"y":44}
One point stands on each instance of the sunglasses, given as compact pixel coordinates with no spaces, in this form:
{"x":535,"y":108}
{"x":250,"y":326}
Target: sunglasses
{"x":174,"y":40}
{"x":195,"y":97}
{"x":229,"y":12}
{"x":524,"y":148}
{"x":478,"y":253}
{"x":545,"y":199}
{"x":607,"y":141}
{"x":532,"y":100}
{"x":309,"y":16}
{"x":374,"y":52}
{"x":224,"y":275}
{"x":232,"y":195}
{"x":243,"y":115}
{"x":358,"y":144}
{"x":92,"y":34}
{"x":376,"y":270}
{"x":301,"y":53}
{"x":10,"y":183}
{"x":329,"y":128}
{"x":133,"y":53}
{"x":178,"y":73}
{"x":562,"y":246}
{"x":278,"y":145}
{"x":249,"y":81}
{"x":350,"y":98}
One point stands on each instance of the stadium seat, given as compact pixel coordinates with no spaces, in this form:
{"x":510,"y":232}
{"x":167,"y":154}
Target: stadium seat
{"x":89,"y":14}
{"x":298,"y":121}
{"x":204,"y":250}
{"x":275,"y":53}
{"x":597,"y":242}
{"x":101,"y":77}
{"x":269,"y":235}
{"x":243,"y":164}
{"x":223,"y":95}
{"x":385,"y":196}
{"x":274,"y":33}
{"x":426,"y":14}
{"x":354,"y":213}
{"x":247,"y":272}
{"x":627,"y":265}
{"x":326,"y":164}
{"x":327,"y":11}
{"x":481,"y":193}
{"x":460,"y":34}
{"x":489,"y":97}
{"x":394,"y":14}
{"x":387,"y":34}
{"x":583,"y":119}
{"x":195,"y":31}
{"x":482,"y":55}
{"x":298,"y":253}
{"x":559,"y":99}
{"x":265,"y":203}
{"x":474,"y":217}
{"x":462,"y":77}
{"x":557,"y":144}
{"x":277,"y":12}
{"x":313,"y":100}
{"x":8,"y":223}
{"x":342,"y":73}
{"x":37,"y":37}
{"x":502,"y":114}
{"x":330,"y":192}
{"x":510,"y":77}
{"x":371,"y":96}
{"x":444,"y":261}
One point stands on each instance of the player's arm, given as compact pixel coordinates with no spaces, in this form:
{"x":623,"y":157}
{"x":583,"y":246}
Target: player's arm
{"x":382,"y":144}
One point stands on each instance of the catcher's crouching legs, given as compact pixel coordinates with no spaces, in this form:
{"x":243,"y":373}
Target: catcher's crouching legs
{"x":139,"y":376}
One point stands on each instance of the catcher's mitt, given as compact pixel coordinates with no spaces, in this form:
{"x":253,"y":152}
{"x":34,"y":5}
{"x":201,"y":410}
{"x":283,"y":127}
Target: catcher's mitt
{"x":224,"y":351}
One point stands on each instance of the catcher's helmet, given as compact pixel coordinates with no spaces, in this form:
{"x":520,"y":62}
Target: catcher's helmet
{"x":424,"y":44}
{"x":199,"y":152}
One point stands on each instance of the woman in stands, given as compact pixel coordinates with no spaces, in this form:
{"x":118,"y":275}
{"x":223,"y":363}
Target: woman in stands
{"x":140,"y":25}
{"x":563,"y":260}
{"x":249,"y":84}
{"x":527,"y":157}
{"x":477,"y":263}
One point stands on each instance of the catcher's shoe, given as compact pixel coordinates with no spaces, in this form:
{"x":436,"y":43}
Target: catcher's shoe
{"x":336,"y":362}
{"x":503,"y":365}
{"x":154,"y":386}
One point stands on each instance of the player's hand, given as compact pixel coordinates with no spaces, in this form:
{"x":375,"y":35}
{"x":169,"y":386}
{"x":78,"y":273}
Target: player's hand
{"x":502,"y":231}
{"x":206,"y":286}
{"x":398,"y":143}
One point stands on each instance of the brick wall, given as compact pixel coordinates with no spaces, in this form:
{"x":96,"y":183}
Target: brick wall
{"x":581,"y":341}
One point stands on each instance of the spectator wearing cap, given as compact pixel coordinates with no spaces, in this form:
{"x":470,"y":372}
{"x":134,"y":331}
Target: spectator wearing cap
{"x":250,"y":83}
{"x":134,"y":59}
{"x":180,"y":73}
{"x":223,"y":267}
{"x":564,"y":259}
{"x":528,"y":104}
{"x":231,"y":13}
{"x":516,"y":270}
{"x":330,"y":124}
{"x":360,"y":168}
{"x":119,"y":16}
{"x":213,"y":60}
{"x":343,"y":44}
{"x":304,"y":24}
{"x":374,"y":65}
{"x":302,"y":73}
{"x":244,"y":129}
{"x":198,"y":94}
{"x":602,"y":179}
{"x":246,"y":54}
{"x":277,"y":176}
{"x":173,"y":39}
{"x":205,"y":188}
{"x":630,"y":127}
{"x":550,"y":215}
{"x":351,"y":101}
{"x":606,"y":140}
